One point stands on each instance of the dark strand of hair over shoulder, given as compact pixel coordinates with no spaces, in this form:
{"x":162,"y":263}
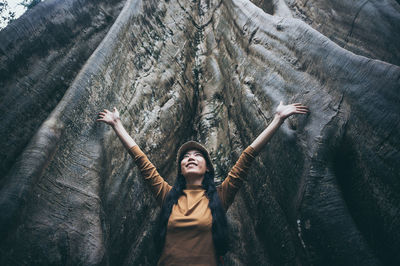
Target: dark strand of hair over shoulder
{"x":220,"y":232}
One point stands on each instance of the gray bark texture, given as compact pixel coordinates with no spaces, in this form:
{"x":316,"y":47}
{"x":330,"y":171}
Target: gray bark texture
{"x":325,"y":190}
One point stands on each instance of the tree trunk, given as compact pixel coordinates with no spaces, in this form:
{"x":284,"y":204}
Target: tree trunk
{"x":326,"y":189}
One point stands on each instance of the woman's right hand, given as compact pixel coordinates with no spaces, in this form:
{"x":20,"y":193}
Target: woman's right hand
{"x":108,"y":117}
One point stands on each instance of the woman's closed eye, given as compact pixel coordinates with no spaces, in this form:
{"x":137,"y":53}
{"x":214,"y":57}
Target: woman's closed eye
{"x":187,"y":155}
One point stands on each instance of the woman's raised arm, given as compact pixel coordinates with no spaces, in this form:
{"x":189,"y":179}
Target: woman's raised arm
{"x":112,"y":119}
{"x":156,"y":183}
{"x":282,"y":112}
{"x":233,"y":181}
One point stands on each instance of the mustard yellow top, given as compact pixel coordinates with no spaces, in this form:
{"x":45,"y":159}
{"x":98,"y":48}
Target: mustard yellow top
{"x":189,"y":236}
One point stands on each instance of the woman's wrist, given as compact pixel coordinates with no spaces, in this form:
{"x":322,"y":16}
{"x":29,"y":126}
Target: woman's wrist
{"x":116,"y":123}
{"x":279,"y":118}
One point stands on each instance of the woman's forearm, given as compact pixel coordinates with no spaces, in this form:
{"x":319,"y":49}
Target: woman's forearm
{"x":267,"y":134}
{"x":123,"y":135}
{"x":113,"y":119}
{"x":282,"y":112}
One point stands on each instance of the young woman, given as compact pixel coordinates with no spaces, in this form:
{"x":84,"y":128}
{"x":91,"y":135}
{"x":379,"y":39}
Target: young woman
{"x":192,"y":225}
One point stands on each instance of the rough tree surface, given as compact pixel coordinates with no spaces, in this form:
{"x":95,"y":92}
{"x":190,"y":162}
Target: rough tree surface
{"x":325,"y":190}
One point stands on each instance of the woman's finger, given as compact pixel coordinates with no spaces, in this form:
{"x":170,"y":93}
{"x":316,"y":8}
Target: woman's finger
{"x":299,"y":105}
{"x":301,"y":112}
{"x":302,"y":108}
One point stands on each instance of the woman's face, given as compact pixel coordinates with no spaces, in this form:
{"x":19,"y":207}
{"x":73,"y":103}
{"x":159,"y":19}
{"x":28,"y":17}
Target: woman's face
{"x":193,"y":164}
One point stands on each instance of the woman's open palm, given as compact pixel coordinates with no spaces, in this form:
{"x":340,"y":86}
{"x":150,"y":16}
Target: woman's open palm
{"x":109,"y":117}
{"x":284,"y":111}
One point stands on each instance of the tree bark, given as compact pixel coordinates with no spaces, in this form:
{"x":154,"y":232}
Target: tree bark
{"x":325,"y":191}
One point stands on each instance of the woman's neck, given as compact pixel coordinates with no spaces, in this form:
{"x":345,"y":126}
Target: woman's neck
{"x":194,"y":180}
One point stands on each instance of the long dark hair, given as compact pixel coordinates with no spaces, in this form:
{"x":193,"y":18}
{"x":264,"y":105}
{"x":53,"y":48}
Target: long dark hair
{"x":219,"y":221}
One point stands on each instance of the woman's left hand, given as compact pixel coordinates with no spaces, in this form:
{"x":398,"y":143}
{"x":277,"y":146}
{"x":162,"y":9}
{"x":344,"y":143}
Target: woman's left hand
{"x":284,"y":111}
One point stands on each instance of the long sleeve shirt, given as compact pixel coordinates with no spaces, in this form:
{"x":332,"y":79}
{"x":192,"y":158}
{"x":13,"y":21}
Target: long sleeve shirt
{"x":189,"y":236}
